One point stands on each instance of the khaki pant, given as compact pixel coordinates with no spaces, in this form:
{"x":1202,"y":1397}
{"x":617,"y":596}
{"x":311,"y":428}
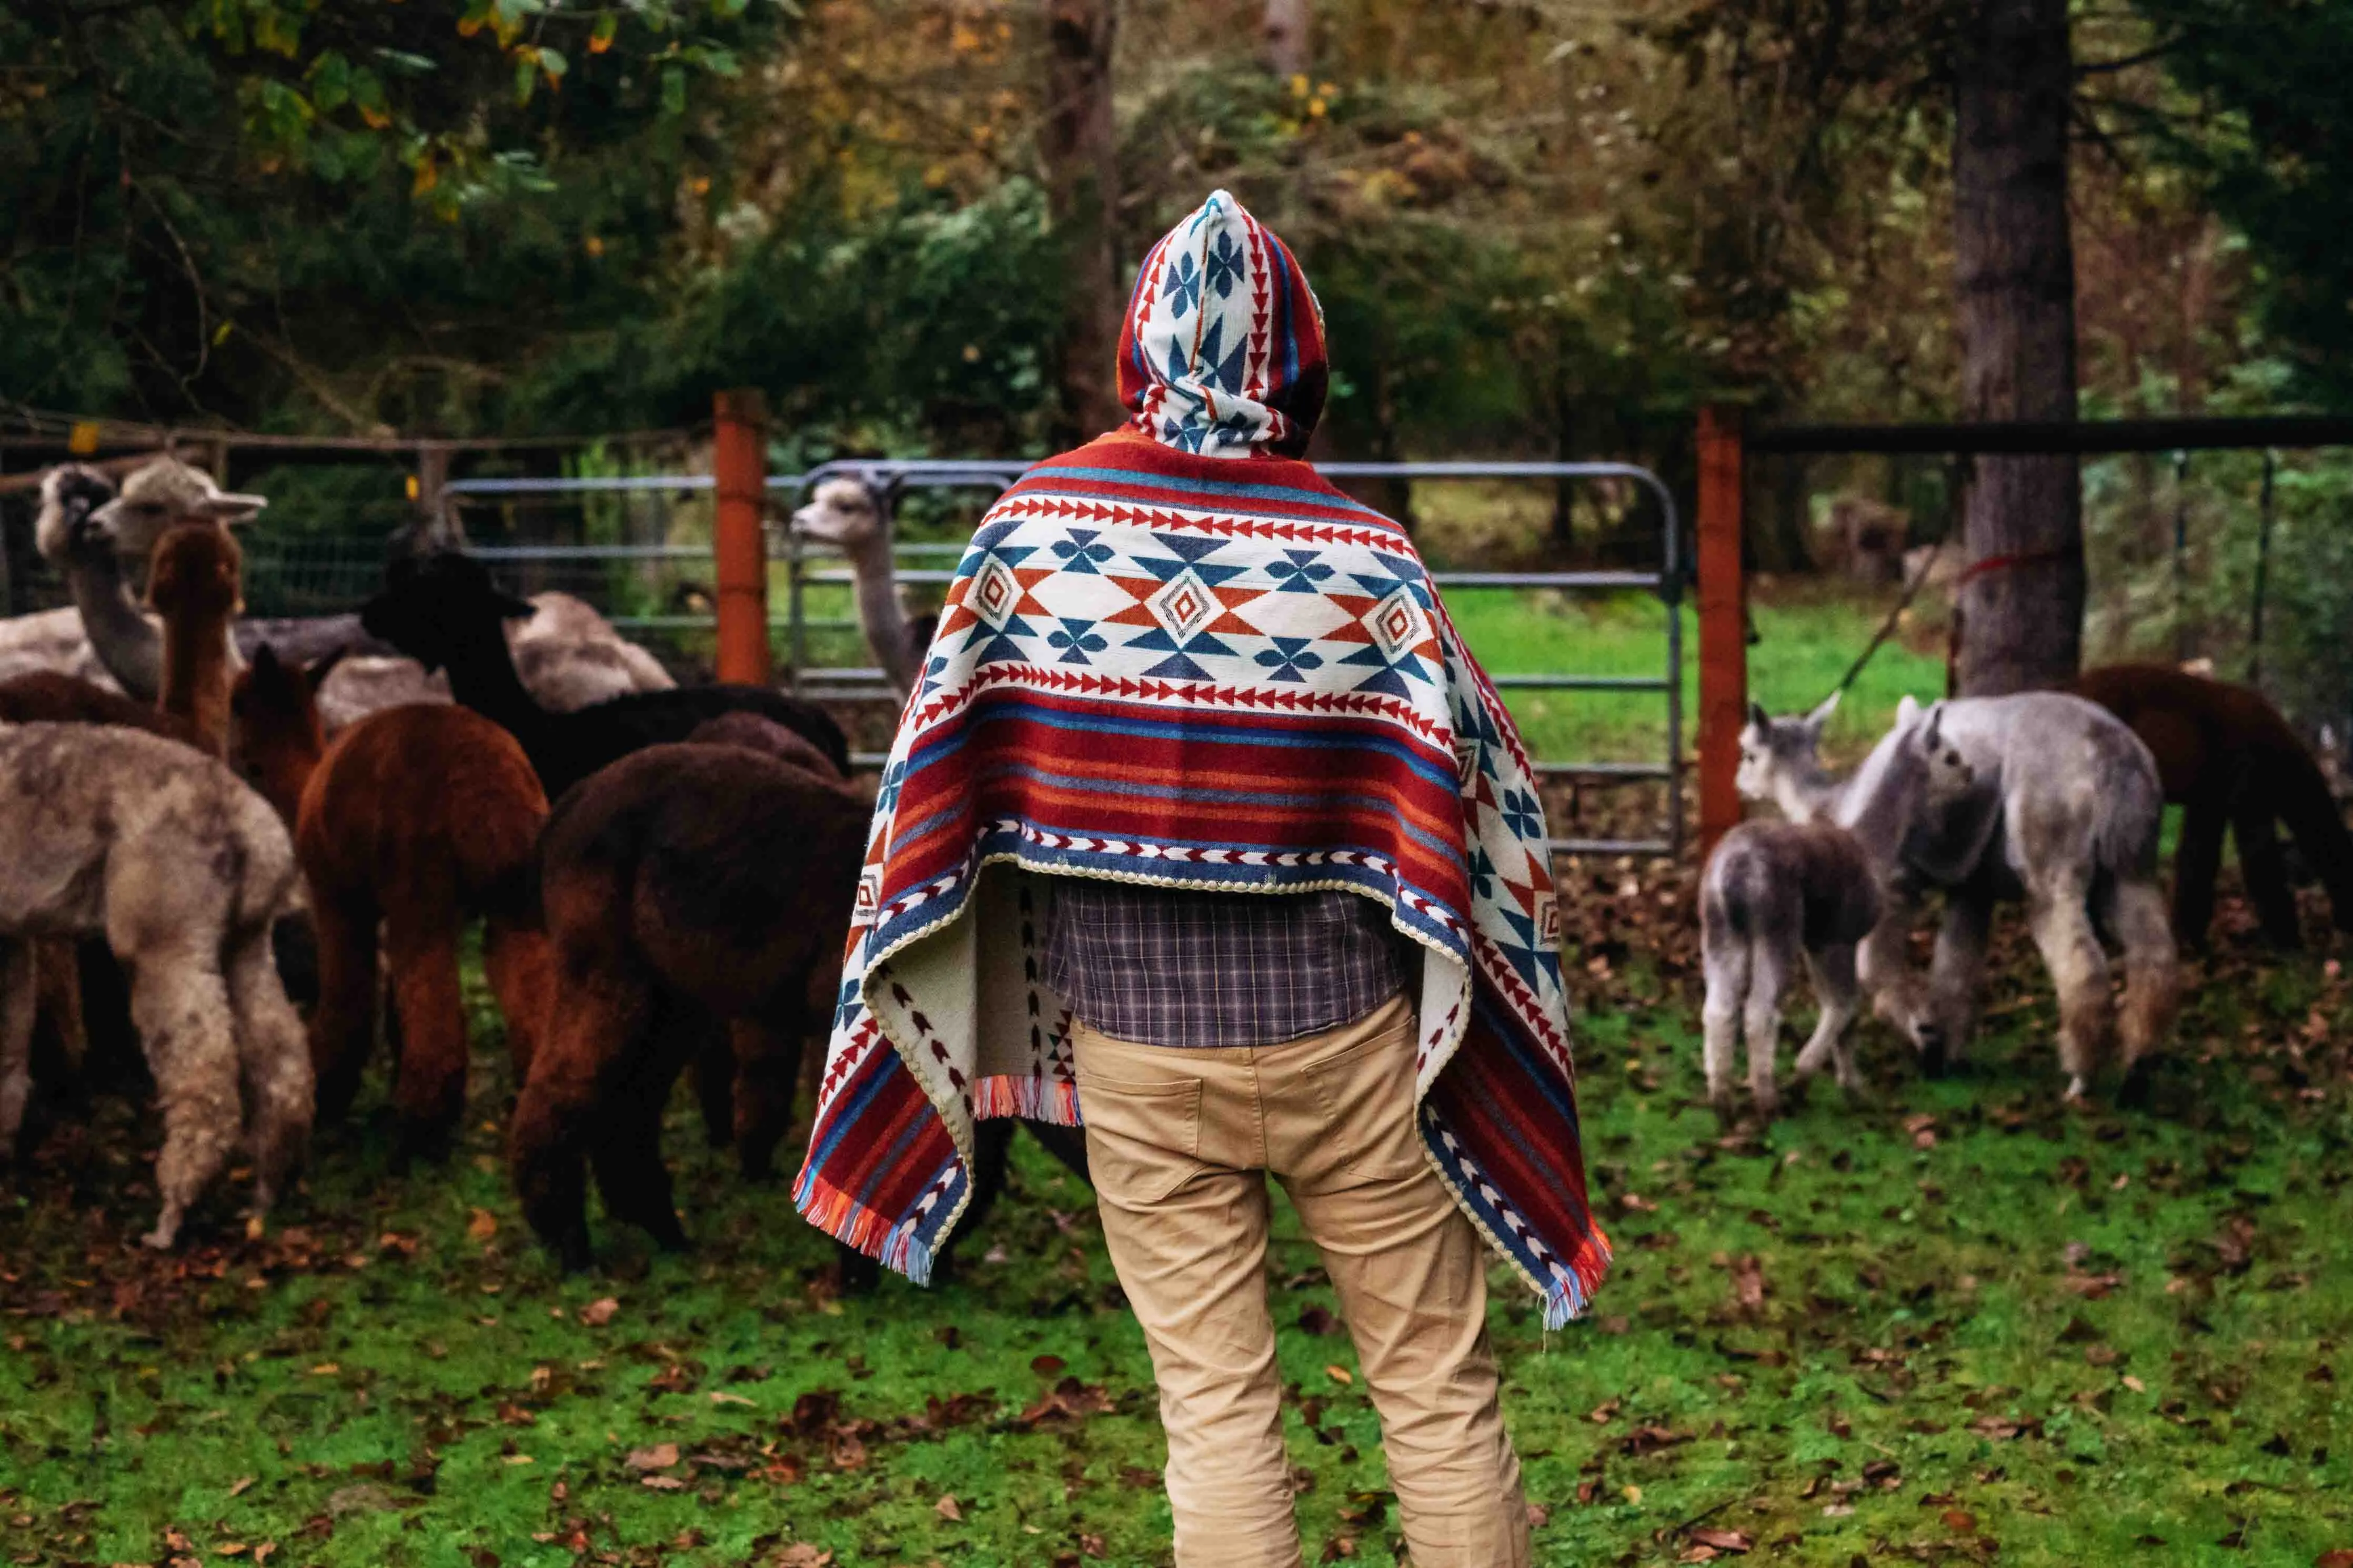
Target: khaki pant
{"x":1176,"y":1140}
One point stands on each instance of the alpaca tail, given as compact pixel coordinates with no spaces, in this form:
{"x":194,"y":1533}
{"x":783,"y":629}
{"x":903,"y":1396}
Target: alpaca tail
{"x":2125,"y":836}
{"x":2311,"y":813}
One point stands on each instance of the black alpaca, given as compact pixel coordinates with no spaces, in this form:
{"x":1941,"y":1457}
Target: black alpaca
{"x":445,"y":612}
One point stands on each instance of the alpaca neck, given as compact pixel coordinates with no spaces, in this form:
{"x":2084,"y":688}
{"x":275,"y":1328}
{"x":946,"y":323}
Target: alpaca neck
{"x":483,"y":679}
{"x":1810,"y":795}
{"x":879,"y":615}
{"x":125,"y":640}
{"x":196,"y":673}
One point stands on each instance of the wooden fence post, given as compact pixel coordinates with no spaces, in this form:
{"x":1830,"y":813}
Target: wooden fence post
{"x":1723,"y":625}
{"x":739,"y":464}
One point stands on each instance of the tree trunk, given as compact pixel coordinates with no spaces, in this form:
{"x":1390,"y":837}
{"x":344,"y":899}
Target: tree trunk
{"x":1079,"y":147}
{"x":2022,"y":606}
{"x":1284,"y":31}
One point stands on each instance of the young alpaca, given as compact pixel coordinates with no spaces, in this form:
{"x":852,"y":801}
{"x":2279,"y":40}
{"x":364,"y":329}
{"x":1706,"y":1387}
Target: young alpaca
{"x":195,"y":582}
{"x":2226,"y":755}
{"x":685,"y":882}
{"x":854,"y":518}
{"x":182,"y":868}
{"x":419,"y":819}
{"x":1775,"y":893}
{"x":445,"y":611}
{"x":2061,"y":812}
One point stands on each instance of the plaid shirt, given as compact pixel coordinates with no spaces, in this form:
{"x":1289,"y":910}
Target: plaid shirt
{"x":1164,"y":966}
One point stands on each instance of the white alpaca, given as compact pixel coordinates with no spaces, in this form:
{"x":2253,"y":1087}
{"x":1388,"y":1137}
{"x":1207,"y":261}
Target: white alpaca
{"x":183,"y":868}
{"x":851,"y":515}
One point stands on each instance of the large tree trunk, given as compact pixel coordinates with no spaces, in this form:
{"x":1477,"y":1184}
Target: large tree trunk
{"x":1080,"y":150}
{"x":2022,"y":606}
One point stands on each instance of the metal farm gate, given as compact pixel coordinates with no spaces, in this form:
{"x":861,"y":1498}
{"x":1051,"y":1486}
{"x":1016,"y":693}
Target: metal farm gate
{"x":807,"y":564}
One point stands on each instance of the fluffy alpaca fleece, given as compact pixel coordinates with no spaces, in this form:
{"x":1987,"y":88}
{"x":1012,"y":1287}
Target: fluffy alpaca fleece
{"x":445,"y":611}
{"x":684,"y":881}
{"x":195,"y":582}
{"x":2226,"y":755}
{"x":418,"y":819}
{"x":182,"y":868}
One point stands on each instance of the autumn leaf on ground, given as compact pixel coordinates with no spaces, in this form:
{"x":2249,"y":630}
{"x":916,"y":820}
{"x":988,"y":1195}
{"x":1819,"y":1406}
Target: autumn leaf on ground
{"x":948,"y":1509}
{"x":1338,"y":1374}
{"x":660,"y":1456}
{"x":1732,"y":1540}
{"x":597,"y":1314}
{"x":482,"y":1224}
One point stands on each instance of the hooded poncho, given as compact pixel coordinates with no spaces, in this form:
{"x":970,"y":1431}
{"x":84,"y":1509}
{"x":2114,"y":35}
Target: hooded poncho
{"x":1178,"y":657}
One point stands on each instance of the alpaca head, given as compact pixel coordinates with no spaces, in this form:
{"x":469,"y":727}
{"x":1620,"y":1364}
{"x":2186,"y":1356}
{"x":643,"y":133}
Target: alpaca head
{"x":197,"y":574}
{"x":71,"y":494}
{"x":274,"y":711}
{"x":844,"y":512}
{"x":165,"y":492}
{"x":441,"y":607}
{"x":1774,"y":752}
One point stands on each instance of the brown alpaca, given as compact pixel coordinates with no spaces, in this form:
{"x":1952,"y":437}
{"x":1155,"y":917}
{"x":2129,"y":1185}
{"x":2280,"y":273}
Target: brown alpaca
{"x":685,"y":881}
{"x":419,"y":818}
{"x":194,"y":583}
{"x":2226,"y":755}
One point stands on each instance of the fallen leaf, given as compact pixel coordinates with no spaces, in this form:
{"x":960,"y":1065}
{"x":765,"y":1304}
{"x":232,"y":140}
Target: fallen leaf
{"x":596,"y":1314}
{"x":1338,"y":1374}
{"x":662,"y":1483}
{"x":240,"y":1486}
{"x":720,"y":1396}
{"x":1046,"y":1365}
{"x":1960,"y":1522}
{"x":1732,"y":1540}
{"x":660,"y":1456}
{"x":947,"y":1508}
{"x":801,"y":1554}
{"x":482,"y":1226}
{"x":2342,"y":1557}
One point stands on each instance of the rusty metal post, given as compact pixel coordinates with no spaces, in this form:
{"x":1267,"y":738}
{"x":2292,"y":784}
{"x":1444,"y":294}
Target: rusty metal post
{"x":739,"y":462}
{"x":1723,"y":625}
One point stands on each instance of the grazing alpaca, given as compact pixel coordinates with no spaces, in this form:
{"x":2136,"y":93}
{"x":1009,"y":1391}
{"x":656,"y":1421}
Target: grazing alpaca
{"x":684,"y":882}
{"x":182,"y":868}
{"x":854,"y":518}
{"x":445,"y":611}
{"x":419,"y":819}
{"x":197,"y":583}
{"x":2227,"y":755}
{"x":2062,"y":810}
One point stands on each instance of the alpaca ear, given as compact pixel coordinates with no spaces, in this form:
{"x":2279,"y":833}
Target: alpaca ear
{"x":226,"y":506}
{"x":1906,"y":710}
{"x":514,"y":608}
{"x":1928,"y":730}
{"x":265,"y":658}
{"x":315,"y":673}
{"x":1821,"y":715}
{"x":1759,"y":717}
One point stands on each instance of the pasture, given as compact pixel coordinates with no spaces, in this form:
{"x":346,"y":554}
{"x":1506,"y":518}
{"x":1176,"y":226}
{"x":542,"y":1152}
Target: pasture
{"x":1957,"y":1323}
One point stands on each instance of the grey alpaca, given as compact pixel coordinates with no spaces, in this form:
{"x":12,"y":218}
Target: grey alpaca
{"x":1775,"y":893}
{"x":183,"y":868}
{"x":2062,"y":813}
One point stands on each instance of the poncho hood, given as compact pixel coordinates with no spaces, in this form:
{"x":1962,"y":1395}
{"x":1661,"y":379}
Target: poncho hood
{"x":1221,"y":350}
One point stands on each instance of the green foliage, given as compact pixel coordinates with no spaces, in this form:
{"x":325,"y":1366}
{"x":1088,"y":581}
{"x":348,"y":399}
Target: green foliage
{"x":343,"y":215}
{"x":2274,"y":146}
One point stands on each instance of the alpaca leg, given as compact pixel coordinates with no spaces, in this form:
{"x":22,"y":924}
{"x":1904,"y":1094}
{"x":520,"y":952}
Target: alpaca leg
{"x":2063,"y":931}
{"x":180,"y":1001}
{"x":2312,"y":817}
{"x":592,"y":1023}
{"x":431,"y":1092}
{"x":626,"y":1152}
{"x":714,"y":1084}
{"x":767,"y":1071}
{"x":111,"y":1057}
{"x":1883,"y":964}
{"x":2195,"y":864}
{"x":519,"y":964}
{"x":1831,"y":970}
{"x":342,"y":1026}
{"x":61,"y":1037}
{"x":16,"y":1003}
{"x":1771,"y":963}
{"x":1725,"y":962}
{"x":281,"y":1093}
{"x":2264,"y":868}
{"x":1956,"y":976}
{"x":2136,"y":912}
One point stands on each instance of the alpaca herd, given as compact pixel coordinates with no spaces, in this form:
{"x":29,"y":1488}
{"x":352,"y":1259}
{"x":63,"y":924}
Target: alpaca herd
{"x":174,"y":786}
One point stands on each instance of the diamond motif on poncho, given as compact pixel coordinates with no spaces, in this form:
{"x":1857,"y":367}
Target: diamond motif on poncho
{"x":1185,"y":605}
{"x":1397,"y":624}
{"x":995,"y":593}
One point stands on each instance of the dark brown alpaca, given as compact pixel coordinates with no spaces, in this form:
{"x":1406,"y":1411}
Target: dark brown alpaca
{"x":195,"y":581}
{"x":2226,"y":755}
{"x":686,"y":884}
{"x":420,"y":818}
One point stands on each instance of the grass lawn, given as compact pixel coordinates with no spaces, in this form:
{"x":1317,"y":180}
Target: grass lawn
{"x":1957,"y":1322}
